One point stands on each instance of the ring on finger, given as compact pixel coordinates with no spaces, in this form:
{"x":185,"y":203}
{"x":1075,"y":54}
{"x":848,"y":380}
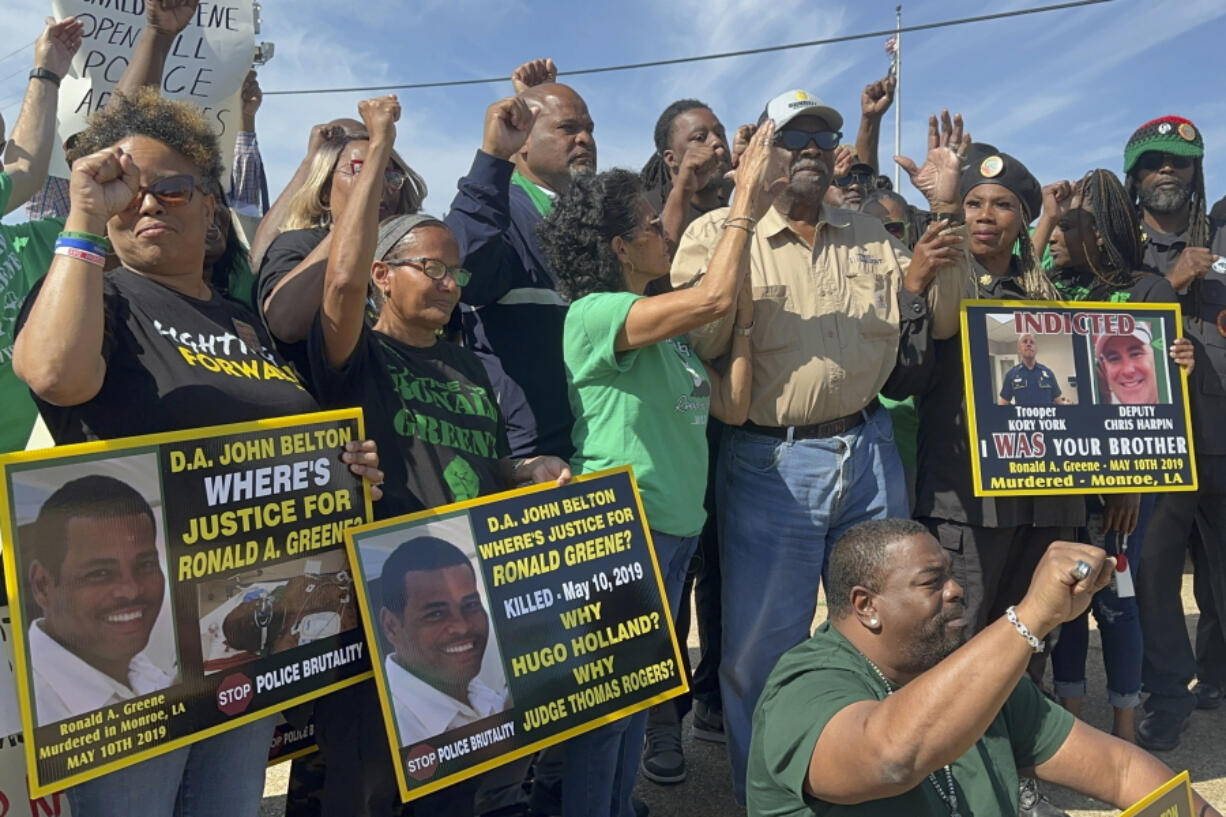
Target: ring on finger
{"x":1081,"y":569}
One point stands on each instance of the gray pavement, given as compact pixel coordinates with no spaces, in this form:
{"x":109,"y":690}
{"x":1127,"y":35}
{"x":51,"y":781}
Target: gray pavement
{"x":707,"y":790}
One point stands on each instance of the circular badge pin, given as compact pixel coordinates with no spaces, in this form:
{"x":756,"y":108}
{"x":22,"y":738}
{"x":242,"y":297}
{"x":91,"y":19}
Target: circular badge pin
{"x":991,"y":167}
{"x":1164,"y":128}
{"x":1187,"y":132}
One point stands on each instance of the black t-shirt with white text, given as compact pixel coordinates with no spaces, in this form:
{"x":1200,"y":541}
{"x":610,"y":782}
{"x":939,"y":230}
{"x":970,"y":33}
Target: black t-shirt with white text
{"x":431,"y":410}
{"x":175,"y":362}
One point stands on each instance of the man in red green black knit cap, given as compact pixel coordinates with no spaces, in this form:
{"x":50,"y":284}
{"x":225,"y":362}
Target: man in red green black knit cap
{"x":1164,"y":175}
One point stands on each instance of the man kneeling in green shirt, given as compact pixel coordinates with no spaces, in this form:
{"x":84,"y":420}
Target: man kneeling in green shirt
{"x":885,"y":711}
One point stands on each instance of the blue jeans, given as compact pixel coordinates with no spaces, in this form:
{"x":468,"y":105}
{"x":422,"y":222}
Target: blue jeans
{"x":1119,"y":623}
{"x":221,"y":776}
{"x":600,"y":766}
{"x":782,"y":505}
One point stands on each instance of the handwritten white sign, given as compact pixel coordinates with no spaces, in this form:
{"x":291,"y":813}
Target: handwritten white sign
{"x":206,"y":64}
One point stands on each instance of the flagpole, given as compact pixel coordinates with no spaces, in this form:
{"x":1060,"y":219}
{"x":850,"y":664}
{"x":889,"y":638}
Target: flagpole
{"x":898,"y":94}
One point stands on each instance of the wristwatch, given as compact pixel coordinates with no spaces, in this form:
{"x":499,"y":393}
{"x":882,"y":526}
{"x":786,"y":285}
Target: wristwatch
{"x":43,"y":73}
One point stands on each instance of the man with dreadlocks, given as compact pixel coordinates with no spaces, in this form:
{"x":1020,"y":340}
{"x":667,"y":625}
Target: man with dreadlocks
{"x":685,"y":176}
{"x":1166,"y":183}
{"x":994,"y":542}
{"x":1097,"y":252}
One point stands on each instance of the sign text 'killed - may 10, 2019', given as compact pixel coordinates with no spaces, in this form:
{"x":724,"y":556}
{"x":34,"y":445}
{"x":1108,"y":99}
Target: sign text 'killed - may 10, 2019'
{"x":556,"y":622}
{"x":1075,"y":398}
{"x":170,"y":587}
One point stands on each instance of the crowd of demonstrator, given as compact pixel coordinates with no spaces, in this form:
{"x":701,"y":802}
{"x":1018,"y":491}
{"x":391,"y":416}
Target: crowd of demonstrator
{"x":773,"y":281}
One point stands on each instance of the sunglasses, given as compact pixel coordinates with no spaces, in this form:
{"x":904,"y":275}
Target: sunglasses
{"x":654,"y":225}
{"x":434,"y":269}
{"x":898,"y":229}
{"x":172,"y":191}
{"x":392,"y":177}
{"x":799,"y":139}
{"x":1153,"y":160}
{"x":862,"y":179}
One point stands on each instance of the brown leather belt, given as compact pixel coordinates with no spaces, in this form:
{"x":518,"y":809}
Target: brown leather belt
{"x":830,"y":428}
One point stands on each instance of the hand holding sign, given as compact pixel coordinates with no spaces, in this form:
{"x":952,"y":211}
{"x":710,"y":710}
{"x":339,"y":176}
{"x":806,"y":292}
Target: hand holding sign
{"x":58,"y":45}
{"x":170,"y":17}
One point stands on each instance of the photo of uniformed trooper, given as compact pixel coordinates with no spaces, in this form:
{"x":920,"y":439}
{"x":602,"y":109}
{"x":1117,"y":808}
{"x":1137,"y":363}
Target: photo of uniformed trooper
{"x":1030,"y":369}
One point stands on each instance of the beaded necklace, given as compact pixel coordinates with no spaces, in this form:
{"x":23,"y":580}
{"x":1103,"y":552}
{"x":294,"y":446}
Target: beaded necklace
{"x":950,"y":798}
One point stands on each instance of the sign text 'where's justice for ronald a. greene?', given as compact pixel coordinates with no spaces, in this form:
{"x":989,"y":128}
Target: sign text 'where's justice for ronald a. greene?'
{"x":576,"y":608}
{"x":251,"y":606}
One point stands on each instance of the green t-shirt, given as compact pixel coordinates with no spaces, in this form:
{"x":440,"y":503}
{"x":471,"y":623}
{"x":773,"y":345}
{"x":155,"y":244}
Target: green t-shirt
{"x":647,"y":407}
{"x":820,"y":677}
{"x":906,"y":427}
{"x":26,"y":251}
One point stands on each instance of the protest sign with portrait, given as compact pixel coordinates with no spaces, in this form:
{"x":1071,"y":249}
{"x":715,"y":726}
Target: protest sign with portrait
{"x":1075,"y":398}
{"x":509,"y":623}
{"x":169,"y":587}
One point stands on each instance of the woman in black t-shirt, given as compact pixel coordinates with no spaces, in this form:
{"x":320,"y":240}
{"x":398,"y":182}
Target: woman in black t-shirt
{"x":150,"y":347}
{"x":292,"y":271}
{"x":427,"y":402}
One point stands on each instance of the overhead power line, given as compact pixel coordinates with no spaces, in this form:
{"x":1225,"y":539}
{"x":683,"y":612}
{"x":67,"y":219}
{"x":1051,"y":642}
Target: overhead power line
{"x":723,"y":55}
{"x":17,"y":50}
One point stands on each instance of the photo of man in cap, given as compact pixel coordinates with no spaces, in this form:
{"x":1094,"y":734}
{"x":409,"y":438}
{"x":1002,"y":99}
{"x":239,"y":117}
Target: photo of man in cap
{"x":436,"y":625}
{"x":1125,"y":367}
{"x":1030,"y":383}
{"x":96,"y":575}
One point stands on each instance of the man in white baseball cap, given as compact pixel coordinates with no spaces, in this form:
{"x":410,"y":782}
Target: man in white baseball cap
{"x":843,"y":313}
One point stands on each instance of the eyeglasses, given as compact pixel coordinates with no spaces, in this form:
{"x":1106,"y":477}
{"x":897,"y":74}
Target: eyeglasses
{"x":655,"y":225}
{"x":172,"y":191}
{"x":863,"y":179}
{"x":898,"y":229}
{"x":1153,"y":160}
{"x":799,"y":139}
{"x":392,"y":177}
{"x":434,"y":269}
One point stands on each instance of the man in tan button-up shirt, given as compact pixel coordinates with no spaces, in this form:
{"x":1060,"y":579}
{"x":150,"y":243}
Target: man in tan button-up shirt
{"x":841,"y":312}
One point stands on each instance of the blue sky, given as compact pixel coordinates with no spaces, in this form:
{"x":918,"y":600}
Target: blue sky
{"x":1062,"y":91}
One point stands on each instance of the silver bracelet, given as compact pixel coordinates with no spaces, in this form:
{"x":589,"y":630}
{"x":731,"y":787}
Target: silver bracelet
{"x":1035,"y":644}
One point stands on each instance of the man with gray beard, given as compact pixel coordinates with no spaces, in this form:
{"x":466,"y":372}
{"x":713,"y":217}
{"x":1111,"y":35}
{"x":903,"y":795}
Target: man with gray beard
{"x":1165,"y":177}
{"x":843,"y":313}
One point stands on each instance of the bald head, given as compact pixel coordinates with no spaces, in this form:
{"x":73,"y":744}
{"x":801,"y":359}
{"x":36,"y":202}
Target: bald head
{"x":561,"y":143}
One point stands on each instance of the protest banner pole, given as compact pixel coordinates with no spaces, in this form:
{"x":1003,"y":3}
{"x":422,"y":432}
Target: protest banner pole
{"x":897,"y":94}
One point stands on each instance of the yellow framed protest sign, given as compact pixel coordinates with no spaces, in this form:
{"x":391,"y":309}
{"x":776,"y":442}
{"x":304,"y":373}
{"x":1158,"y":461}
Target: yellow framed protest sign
{"x":169,"y":587}
{"x":504,"y":624}
{"x":1075,"y":398}
{"x":1172,"y":799}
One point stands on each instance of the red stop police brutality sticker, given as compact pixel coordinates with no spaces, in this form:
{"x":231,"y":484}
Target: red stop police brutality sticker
{"x":235,"y":694}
